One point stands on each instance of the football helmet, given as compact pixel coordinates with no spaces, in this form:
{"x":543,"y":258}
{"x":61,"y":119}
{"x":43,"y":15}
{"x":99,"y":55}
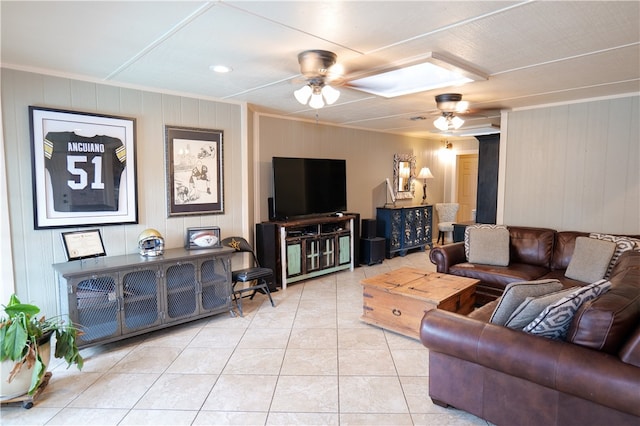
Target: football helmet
{"x":150,"y":243}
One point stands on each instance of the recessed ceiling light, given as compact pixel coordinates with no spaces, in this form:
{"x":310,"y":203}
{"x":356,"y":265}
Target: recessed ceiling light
{"x":426,"y":73}
{"x":220,"y":68}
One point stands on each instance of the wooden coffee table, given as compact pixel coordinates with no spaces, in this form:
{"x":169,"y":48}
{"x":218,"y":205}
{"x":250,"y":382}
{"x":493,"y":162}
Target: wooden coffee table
{"x":397,"y":300}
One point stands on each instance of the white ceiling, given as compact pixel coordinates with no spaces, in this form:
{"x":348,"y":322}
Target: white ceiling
{"x":534,"y":52}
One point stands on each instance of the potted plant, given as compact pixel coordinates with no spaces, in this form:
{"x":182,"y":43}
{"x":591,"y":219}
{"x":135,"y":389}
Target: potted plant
{"x":24,"y":343}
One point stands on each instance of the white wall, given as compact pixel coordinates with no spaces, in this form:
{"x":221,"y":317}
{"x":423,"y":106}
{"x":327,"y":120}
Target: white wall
{"x":574,"y":167}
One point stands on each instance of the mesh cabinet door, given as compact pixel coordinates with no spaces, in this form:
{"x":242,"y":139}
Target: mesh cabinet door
{"x":216,"y":288}
{"x":96,"y":307}
{"x":140,"y":299}
{"x":181,"y":284}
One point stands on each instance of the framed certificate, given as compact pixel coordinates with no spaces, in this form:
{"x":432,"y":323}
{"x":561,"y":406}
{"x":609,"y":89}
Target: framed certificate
{"x":83,"y":244}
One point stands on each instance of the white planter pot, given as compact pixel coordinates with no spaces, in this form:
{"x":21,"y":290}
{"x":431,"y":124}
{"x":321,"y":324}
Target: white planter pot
{"x":21,"y":382}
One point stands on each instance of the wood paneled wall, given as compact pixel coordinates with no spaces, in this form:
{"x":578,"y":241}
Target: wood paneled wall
{"x":35,"y":251}
{"x":574,"y":167}
{"x":369,"y":157}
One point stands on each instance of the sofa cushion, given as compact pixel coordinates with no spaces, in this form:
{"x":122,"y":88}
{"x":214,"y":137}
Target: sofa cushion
{"x":622,"y":244}
{"x":554,"y":321}
{"x":590,"y":259}
{"x":533,"y":246}
{"x":516,"y":293}
{"x":606,"y":322}
{"x":478,"y":226}
{"x":563,"y":247}
{"x":489,"y":246}
{"x":531,"y":307}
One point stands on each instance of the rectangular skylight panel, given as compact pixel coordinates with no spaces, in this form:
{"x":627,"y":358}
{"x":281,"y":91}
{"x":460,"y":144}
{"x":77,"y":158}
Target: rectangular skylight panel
{"x":412,"y":79}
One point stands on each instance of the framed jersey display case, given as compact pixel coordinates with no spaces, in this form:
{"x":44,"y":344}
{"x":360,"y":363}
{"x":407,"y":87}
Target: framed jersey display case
{"x":194,"y":171}
{"x":84,"y":168}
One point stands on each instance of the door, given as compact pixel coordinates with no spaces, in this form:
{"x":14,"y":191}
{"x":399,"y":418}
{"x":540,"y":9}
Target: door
{"x":467,"y":186}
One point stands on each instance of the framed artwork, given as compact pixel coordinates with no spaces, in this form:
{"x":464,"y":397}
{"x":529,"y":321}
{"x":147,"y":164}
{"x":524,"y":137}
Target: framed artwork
{"x":83,"y":244}
{"x":83,"y":168}
{"x":194,"y":171}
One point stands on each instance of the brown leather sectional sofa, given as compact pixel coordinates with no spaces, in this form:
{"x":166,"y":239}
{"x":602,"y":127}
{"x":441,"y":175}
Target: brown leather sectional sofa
{"x":534,"y":253}
{"x":510,"y":377}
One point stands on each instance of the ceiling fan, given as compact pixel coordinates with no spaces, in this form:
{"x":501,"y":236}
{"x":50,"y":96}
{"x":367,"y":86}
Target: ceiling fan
{"x":316,"y":68}
{"x":449,"y":104}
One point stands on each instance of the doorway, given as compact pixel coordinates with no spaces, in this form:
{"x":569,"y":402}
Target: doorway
{"x":467,"y":188}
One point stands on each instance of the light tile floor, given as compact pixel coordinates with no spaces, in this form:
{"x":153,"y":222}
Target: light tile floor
{"x":308,"y":361}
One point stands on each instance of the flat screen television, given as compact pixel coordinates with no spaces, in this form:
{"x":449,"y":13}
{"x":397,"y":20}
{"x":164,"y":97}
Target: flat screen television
{"x":308,"y":187}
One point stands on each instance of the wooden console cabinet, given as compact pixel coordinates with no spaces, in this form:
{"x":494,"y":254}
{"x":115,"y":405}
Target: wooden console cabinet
{"x":405,"y":228}
{"x":112,"y":298}
{"x":306,"y":248}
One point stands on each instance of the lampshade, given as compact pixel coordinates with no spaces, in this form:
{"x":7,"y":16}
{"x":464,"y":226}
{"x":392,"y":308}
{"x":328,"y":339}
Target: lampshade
{"x":456,"y":122}
{"x":425,"y":173}
{"x":317,"y":94}
{"x":303,"y":94}
{"x":316,"y":101}
{"x":330,"y":94}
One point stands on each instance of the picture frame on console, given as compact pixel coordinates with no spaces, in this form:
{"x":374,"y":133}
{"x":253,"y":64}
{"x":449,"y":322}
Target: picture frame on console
{"x":194,"y":170}
{"x":202,"y":238}
{"x":83,"y":168}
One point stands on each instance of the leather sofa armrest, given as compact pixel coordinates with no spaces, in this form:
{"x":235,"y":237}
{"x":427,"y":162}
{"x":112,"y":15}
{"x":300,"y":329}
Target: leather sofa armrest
{"x":588,"y":374}
{"x":446,"y":256}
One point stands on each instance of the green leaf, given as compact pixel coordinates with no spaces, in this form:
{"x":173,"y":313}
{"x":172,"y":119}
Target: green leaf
{"x":16,"y":308}
{"x":14,"y":341}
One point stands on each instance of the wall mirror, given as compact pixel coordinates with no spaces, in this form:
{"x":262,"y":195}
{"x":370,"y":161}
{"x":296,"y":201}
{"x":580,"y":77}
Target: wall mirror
{"x":404,"y":172}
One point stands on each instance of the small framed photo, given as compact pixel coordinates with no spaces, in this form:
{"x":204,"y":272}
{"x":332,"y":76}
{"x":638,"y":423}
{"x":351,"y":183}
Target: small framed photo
{"x":194,"y":171}
{"x":83,"y":244}
{"x":203,"y":238}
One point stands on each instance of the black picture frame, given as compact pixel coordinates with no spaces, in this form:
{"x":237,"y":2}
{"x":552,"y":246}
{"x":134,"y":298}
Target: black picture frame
{"x":83,"y":168}
{"x":202,"y":238}
{"x":194,"y":173}
{"x":83,"y":244}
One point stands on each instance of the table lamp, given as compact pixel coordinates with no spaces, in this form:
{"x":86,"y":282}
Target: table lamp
{"x":424,"y":174}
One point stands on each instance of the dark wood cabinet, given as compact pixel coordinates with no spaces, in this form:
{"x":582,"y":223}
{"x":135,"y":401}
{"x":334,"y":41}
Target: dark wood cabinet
{"x":405,"y":228}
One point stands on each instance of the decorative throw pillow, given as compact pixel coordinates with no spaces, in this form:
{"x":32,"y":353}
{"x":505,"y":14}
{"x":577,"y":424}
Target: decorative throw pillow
{"x":469,"y":228}
{"x":489,"y":246}
{"x":516,"y":293}
{"x":622,"y":244}
{"x":590,"y":259}
{"x":531,"y":307}
{"x":554,"y":321}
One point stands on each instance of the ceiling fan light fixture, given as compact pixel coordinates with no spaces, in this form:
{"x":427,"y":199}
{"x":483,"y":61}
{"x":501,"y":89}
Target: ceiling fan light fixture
{"x":456,"y":122}
{"x":441,"y":123}
{"x":316,"y":101}
{"x":303,"y":94}
{"x":330,"y":94}
{"x":315,"y":66}
{"x":448,"y":121}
